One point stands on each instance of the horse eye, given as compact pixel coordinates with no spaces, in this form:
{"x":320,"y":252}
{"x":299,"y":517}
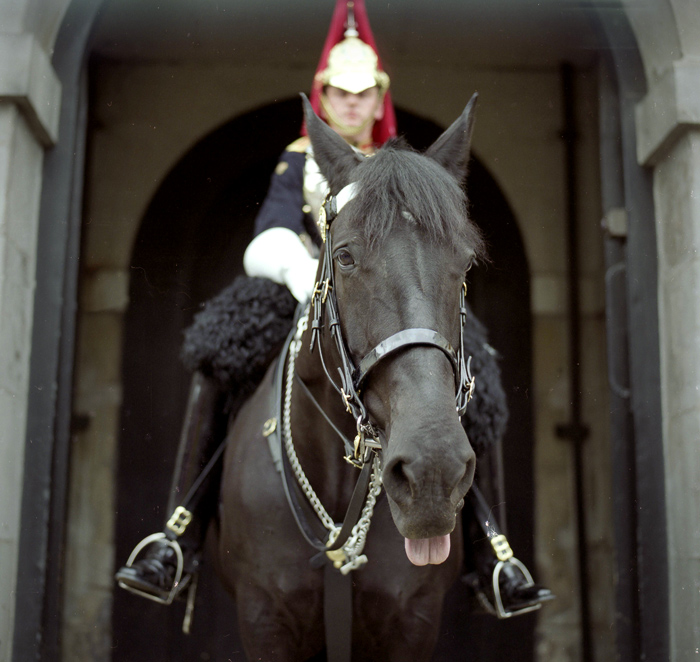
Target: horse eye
{"x":345,"y":259}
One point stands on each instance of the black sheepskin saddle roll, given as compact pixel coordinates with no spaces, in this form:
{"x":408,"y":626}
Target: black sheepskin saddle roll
{"x":240,"y":331}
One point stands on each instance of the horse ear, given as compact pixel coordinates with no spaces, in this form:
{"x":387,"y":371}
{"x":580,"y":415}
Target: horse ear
{"x":335,"y":158}
{"x":451,"y":149}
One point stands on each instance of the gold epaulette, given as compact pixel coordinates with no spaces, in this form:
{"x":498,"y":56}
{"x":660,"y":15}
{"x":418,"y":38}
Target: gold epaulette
{"x":299,"y":145}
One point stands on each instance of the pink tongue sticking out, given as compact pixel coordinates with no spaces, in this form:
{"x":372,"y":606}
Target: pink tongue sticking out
{"x":428,"y":550}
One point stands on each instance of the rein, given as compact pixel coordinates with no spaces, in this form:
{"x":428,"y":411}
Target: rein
{"x":345,"y":543}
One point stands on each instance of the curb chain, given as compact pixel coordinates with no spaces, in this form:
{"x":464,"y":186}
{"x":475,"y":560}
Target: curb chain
{"x":356,"y":542}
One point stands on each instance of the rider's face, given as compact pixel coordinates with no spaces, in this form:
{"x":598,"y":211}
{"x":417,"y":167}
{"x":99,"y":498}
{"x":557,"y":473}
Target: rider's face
{"x":355,"y":110}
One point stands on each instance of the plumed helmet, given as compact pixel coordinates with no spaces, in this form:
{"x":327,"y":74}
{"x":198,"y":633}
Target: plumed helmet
{"x":353,"y":66}
{"x":349,"y":61}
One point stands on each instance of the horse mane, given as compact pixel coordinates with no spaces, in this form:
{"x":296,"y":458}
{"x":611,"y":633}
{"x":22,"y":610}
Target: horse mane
{"x":398,"y":179}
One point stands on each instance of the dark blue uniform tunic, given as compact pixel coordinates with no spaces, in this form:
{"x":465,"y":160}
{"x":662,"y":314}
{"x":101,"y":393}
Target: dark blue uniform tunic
{"x":284,"y":204}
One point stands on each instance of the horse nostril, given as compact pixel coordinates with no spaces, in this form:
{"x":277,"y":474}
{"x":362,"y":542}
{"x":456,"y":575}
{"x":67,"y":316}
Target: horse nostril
{"x":397,"y":481}
{"x":468,"y":477}
{"x":464,"y":482}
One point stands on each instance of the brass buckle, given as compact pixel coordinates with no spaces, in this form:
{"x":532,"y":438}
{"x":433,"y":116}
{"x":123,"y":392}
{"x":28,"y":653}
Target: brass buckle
{"x":359,"y":442}
{"x":346,"y":399}
{"x":327,"y":287}
{"x":362,"y":446}
{"x":472,"y":386}
{"x":359,"y":455}
{"x":351,"y":460}
{"x":337,"y":556}
{"x":179,"y":520}
{"x":471,"y":379}
{"x":321,"y":289}
{"x":502,"y":547}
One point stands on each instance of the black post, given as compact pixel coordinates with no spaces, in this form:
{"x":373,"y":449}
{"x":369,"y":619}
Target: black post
{"x":622,"y":447}
{"x":637,"y":445}
{"x":575,"y":430}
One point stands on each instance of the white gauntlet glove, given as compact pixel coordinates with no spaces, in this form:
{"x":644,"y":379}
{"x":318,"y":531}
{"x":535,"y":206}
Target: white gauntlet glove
{"x":280,"y":255}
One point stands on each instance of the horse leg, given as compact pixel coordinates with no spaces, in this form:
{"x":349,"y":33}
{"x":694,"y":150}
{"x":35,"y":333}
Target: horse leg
{"x":273,"y":630}
{"x":261,"y":557}
{"x":397,"y":606}
{"x":394,"y":630}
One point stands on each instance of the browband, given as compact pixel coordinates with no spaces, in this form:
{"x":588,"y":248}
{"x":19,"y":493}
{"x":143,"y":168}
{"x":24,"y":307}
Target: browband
{"x":332,"y":205}
{"x":347,"y":193}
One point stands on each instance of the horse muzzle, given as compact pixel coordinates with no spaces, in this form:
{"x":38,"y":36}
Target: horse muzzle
{"x":426,"y":483}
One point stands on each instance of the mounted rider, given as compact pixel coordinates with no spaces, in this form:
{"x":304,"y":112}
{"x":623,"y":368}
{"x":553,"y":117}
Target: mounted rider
{"x":350,"y":92}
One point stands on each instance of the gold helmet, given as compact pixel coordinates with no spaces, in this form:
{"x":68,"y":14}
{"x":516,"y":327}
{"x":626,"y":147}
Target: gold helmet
{"x":353,"y":66}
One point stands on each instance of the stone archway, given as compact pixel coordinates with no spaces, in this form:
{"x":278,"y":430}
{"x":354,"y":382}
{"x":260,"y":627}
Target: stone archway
{"x":686,"y":218}
{"x":189,"y":246}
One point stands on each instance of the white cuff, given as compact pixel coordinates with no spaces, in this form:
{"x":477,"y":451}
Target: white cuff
{"x":280,"y":255}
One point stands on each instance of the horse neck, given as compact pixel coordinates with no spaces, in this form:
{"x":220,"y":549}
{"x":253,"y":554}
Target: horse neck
{"x":319,"y":448}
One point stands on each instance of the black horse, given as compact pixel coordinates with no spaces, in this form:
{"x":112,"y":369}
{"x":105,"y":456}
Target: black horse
{"x":377,"y":342}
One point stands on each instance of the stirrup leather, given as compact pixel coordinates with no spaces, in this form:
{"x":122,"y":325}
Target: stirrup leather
{"x":179,"y":584}
{"x":498,"y":609}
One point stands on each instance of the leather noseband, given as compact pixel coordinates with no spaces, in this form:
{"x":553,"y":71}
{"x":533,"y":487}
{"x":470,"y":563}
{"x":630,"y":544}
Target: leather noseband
{"x":401,"y":340}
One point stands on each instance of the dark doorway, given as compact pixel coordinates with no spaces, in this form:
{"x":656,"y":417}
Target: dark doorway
{"x":189,"y":247}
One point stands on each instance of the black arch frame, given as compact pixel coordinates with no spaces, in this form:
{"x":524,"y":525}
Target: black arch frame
{"x":47,"y":446}
{"x":639,"y":508}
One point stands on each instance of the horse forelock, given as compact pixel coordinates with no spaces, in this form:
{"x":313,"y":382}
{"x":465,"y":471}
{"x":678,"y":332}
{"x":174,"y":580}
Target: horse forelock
{"x":397,"y":182}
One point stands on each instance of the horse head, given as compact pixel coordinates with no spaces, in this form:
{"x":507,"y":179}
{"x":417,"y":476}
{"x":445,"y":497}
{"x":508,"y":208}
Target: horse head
{"x":401,"y":246}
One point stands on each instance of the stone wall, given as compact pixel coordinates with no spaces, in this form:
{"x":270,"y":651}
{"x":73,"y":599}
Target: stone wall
{"x":668,"y":139}
{"x":29,"y":106}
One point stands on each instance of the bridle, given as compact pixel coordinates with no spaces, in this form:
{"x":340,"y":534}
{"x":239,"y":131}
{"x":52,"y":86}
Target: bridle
{"x":364,"y":451}
{"x":352,"y":377}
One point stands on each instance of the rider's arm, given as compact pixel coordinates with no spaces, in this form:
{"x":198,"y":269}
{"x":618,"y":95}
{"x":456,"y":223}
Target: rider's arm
{"x":277,"y":251}
{"x":284,"y":202}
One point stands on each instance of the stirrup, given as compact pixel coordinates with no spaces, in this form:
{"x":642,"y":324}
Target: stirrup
{"x":498,"y":609}
{"x":178,"y":585}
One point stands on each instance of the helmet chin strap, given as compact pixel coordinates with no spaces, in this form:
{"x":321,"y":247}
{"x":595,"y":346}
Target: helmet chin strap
{"x":347,"y":131}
